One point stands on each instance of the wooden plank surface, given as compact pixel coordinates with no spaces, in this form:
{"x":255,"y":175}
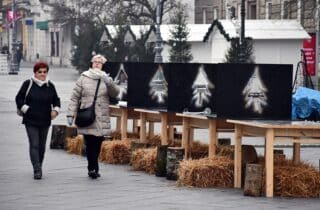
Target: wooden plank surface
{"x":277,"y":124}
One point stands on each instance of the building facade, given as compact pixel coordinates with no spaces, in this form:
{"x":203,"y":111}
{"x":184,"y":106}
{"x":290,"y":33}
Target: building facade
{"x":303,"y":10}
{"x":40,"y":36}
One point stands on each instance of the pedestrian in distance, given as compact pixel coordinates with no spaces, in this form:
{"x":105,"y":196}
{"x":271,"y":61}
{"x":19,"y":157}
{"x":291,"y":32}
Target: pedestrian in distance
{"x":83,"y":94}
{"x":39,"y":103}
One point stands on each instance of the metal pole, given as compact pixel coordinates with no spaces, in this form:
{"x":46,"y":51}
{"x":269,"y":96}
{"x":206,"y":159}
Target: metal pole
{"x":317,"y":46}
{"x":14,"y":68}
{"x":158,"y":47}
{"x":242,"y":33}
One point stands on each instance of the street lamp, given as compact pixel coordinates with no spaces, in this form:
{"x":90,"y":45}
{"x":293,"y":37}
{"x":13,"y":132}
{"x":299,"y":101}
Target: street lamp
{"x":14,"y":67}
{"x":158,"y":47}
{"x":242,"y":33}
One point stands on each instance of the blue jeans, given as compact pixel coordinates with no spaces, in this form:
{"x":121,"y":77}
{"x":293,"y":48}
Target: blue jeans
{"x":37,"y":145}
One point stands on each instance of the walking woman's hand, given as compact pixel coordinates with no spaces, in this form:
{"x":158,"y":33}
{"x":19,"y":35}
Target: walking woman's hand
{"x":54,"y":114}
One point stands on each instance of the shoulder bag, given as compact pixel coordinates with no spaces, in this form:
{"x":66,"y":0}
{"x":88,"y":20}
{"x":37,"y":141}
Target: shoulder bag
{"x":86,"y":116}
{"x":19,"y":112}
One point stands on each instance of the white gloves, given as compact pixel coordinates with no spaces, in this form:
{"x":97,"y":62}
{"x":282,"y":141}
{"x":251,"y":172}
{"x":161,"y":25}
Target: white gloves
{"x":70,"y":120}
{"x":107,"y":79}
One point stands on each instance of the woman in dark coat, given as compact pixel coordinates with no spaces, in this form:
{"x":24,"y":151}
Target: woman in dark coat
{"x":39,"y":106}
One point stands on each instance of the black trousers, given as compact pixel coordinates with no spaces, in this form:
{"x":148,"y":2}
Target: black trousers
{"x":93,"y":146}
{"x":37,"y":144}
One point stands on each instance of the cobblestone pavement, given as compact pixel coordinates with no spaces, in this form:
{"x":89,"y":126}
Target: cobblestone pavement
{"x":65,"y":184}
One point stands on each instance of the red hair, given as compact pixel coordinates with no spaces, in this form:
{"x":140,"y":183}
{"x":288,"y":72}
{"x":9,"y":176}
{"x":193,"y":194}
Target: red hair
{"x":40,"y":65}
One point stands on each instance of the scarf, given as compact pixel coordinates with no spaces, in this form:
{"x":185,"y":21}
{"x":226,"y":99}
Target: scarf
{"x":40,"y":82}
{"x":94,"y":73}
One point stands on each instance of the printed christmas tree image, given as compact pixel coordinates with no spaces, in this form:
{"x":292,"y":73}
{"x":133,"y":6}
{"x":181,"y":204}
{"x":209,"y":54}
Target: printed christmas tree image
{"x":201,"y":88}
{"x":255,"y":93}
{"x":121,"y":79}
{"x":158,"y":86}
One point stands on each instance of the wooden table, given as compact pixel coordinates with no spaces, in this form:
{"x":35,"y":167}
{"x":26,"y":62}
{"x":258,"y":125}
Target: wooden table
{"x":165,"y":118}
{"x":189,"y":122}
{"x":123,"y":114}
{"x":294,"y":131}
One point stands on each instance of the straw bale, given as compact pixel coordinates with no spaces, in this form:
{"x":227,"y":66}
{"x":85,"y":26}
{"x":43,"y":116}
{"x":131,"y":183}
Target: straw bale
{"x":225,"y":150}
{"x":144,"y":159}
{"x":294,"y":180}
{"x":115,"y":152}
{"x":214,"y":172}
{"x":297,"y":181}
{"x":199,"y":150}
{"x":116,"y":135}
{"x":174,"y":143}
{"x":103,"y":150}
{"x":75,"y":144}
{"x":154,"y":140}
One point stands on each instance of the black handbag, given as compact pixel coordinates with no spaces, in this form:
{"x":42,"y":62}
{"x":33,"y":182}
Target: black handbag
{"x":86,"y":116}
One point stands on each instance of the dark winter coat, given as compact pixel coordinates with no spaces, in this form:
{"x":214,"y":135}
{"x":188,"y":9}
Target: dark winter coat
{"x":41,"y":100}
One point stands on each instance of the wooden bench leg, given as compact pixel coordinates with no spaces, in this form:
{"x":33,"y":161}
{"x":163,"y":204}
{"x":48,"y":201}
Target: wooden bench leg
{"x":296,"y":153}
{"x":237,"y":156}
{"x":185,"y":136}
{"x":164,"y":126}
{"x":212,"y":138}
{"x":151,"y":130}
{"x":269,"y":162}
{"x":143,"y":137}
{"x":124,"y":123}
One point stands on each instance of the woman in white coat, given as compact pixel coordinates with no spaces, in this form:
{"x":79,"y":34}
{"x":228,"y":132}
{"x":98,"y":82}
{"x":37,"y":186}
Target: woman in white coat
{"x":83,"y":96}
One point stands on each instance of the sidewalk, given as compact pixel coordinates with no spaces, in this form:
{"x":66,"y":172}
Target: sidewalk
{"x":65,"y":184}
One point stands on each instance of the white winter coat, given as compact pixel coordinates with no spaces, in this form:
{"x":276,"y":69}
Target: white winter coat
{"x":83,"y":93}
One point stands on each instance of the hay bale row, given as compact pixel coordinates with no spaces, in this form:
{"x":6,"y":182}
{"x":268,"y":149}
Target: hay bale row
{"x":144,"y":160}
{"x":294,"y":180}
{"x":115,"y":152}
{"x":75,"y":145}
{"x":297,"y":181}
{"x":116,"y":135}
{"x":155,"y":140}
{"x":226,"y":151}
{"x":199,"y":150}
{"x":215,"y":172}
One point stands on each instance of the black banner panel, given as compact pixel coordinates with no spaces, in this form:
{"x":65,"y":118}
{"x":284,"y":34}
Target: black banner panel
{"x":192,"y":89}
{"x":254,"y":91}
{"x":148,"y":85}
{"x":118,"y":72}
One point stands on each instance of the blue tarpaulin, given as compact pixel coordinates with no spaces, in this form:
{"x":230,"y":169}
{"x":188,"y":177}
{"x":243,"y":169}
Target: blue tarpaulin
{"x":305,"y":102}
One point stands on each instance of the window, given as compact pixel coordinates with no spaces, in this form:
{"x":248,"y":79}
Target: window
{"x":232,"y":12}
{"x":285,"y":10}
{"x":204,"y":16}
{"x":215,"y":13}
{"x":55,"y":49}
{"x":252,"y":11}
{"x":268,"y":10}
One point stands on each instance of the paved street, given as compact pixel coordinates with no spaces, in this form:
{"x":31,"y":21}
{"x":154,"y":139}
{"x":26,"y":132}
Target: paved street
{"x":65,"y":184}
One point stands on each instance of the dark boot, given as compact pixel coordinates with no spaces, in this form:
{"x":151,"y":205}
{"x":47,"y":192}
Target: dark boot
{"x":92,"y":174}
{"x":37,"y":174}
